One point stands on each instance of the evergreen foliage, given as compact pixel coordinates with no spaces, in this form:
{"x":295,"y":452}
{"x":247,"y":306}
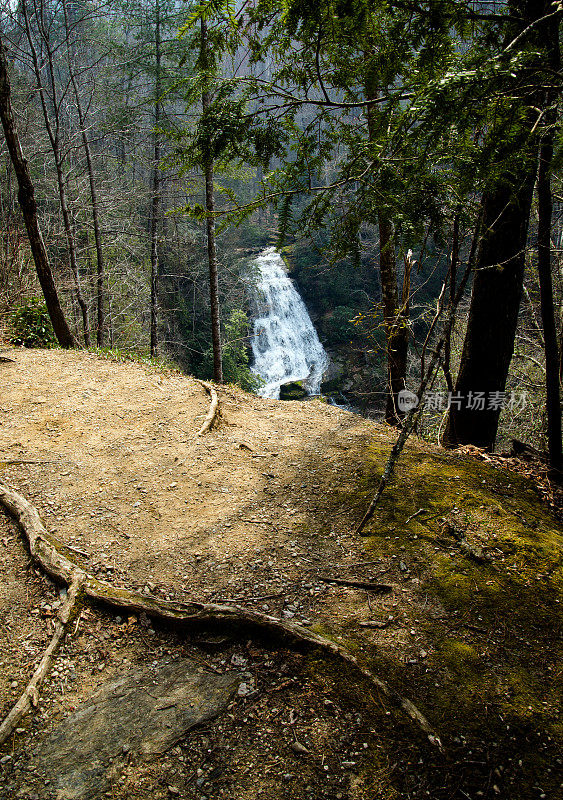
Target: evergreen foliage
{"x":322,"y":118}
{"x":31,"y":325}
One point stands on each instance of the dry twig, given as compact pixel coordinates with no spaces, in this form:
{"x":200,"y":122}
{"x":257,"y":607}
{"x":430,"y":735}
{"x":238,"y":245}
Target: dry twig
{"x":30,"y":696}
{"x":374,"y":587}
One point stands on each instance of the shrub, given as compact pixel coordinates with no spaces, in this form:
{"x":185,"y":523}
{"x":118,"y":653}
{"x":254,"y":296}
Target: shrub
{"x":236,"y":358}
{"x":236,"y":355}
{"x":339,"y":326}
{"x":31,"y":326}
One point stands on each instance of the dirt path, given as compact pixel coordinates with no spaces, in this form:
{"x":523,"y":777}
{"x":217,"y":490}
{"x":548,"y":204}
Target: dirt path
{"x":117,"y":470}
{"x":259,"y":511}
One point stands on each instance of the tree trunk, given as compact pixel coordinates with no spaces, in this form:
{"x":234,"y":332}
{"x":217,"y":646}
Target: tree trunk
{"x":545,"y":214}
{"x":453,"y":280}
{"x":155,"y":203}
{"x":100,"y":276}
{"x":545,"y":210}
{"x":210,"y":221}
{"x":28,"y":206}
{"x":395,"y":314}
{"x":73,"y":260}
{"x":493,"y":313}
{"x":396,"y":325}
{"x":497,"y":285}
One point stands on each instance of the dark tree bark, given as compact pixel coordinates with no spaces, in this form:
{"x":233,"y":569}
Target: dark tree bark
{"x":395,"y":314}
{"x":26,"y":198}
{"x":497,"y":285}
{"x":553,"y":402}
{"x":155,"y":203}
{"x":493,"y":313}
{"x":446,"y":366}
{"x":210,"y":221}
{"x":545,"y":214}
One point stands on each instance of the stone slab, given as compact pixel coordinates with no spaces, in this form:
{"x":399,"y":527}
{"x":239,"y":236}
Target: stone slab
{"x":143,"y":713}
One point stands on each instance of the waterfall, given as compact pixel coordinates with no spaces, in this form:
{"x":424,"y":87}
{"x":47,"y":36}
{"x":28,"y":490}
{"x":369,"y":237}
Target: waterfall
{"x":285,"y":344}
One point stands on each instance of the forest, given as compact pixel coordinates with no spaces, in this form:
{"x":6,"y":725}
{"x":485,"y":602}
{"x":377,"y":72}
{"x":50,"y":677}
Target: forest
{"x":410,"y":174}
{"x":210,"y":205}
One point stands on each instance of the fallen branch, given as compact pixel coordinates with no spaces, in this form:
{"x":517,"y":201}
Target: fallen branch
{"x":416,"y":514}
{"x":213,"y":408}
{"x":374,"y":587}
{"x":30,"y":696}
{"x":251,"y":599}
{"x":13,"y":461}
{"x":46,"y":550}
{"x":376,"y":623}
{"x":477,"y":554}
{"x":77,"y":550}
{"x":410,"y":421}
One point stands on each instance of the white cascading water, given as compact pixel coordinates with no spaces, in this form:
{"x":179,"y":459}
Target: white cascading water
{"x":285,"y":344}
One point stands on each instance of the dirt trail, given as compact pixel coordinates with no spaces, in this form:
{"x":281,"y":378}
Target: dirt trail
{"x":258,"y":512}
{"x":120,"y":474}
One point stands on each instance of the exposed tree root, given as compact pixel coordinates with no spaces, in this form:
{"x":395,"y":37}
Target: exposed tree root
{"x":49,"y":553}
{"x":213,"y":412}
{"x":369,"y":585}
{"x":30,"y":696}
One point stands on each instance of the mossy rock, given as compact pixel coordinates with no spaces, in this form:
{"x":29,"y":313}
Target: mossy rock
{"x":491,"y":630}
{"x":292,"y":391}
{"x":333,"y":386}
{"x":288,"y":255}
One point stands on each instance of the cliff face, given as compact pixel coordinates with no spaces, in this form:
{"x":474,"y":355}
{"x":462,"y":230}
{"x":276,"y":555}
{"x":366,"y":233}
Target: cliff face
{"x":357,"y":376}
{"x":261,"y":511}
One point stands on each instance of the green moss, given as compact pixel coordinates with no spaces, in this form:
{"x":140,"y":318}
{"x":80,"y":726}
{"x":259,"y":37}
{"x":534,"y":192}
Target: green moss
{"x":292,"y":391}
{"x":460,"y":657}
{"x":288,"y":255}
{"x":491,"y":641}
{"x":456,"y":589}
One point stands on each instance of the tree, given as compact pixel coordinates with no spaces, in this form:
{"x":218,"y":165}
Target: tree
{"x":156,"y":197}
{"x":545,"y":215}
{"x":51,"y":96}
{"x":553,"y":401}
{"x":26,"y":198}
{"x":506,"y":203}
{"x":207,"y":163}
{"x":344,"y":103}
{"x":152,"y":106}
{"x":100,"y":279}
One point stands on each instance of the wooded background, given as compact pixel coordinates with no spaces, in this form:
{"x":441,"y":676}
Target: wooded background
{"x":389,"y":147}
